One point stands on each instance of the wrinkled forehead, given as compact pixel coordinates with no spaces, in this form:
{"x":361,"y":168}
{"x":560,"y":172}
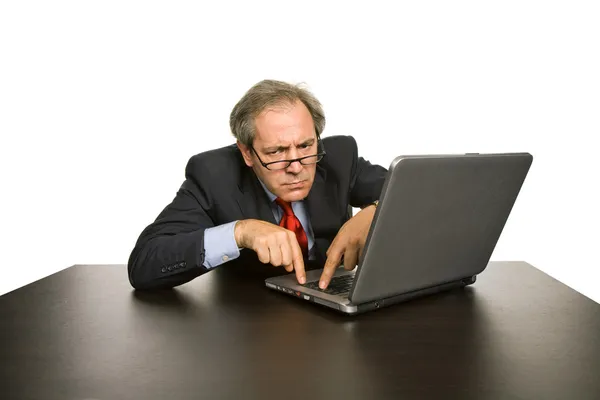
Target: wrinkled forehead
{"x":285,"y":124}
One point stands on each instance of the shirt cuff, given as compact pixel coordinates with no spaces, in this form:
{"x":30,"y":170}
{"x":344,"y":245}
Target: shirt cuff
{"x":219,"y":245}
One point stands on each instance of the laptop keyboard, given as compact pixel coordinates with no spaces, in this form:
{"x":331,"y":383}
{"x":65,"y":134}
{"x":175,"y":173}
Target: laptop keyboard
{"x":339,"y":285}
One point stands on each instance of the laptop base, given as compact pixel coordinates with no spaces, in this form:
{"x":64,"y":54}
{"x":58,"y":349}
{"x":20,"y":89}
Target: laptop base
{"x":288,"y":284}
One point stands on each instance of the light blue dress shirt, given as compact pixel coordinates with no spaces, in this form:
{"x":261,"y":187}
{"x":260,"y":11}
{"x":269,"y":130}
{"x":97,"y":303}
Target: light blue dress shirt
{"x":219,"y":241}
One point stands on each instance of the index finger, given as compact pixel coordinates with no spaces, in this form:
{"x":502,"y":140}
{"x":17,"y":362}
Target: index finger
{"x":298,"y":262}
{"x":334,"y":258}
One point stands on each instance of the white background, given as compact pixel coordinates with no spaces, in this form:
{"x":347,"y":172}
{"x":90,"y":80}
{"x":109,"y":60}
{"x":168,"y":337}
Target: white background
{"x":102,"y":103}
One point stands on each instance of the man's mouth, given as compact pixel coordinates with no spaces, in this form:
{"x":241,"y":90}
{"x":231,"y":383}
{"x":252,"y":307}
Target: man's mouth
{"x":294,"y":183}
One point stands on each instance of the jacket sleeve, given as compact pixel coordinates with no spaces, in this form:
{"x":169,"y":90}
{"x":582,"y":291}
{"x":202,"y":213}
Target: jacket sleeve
{"x":170,"y":251}
{"x":366,"y":179}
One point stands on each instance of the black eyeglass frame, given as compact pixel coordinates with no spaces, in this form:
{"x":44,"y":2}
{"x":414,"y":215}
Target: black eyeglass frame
{"x":319,"y":156}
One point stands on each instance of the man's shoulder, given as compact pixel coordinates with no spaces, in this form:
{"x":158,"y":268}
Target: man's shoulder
{"x":339,"y":143}
{"x":225,"y":160}
{"x":222,"y":154}
{"x":340,"y":150}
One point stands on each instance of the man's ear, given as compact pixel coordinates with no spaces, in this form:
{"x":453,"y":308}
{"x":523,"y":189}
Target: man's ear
{"x":246,"y":153}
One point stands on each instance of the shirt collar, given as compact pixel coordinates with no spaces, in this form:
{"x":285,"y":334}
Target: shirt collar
{"x":272,"y":197}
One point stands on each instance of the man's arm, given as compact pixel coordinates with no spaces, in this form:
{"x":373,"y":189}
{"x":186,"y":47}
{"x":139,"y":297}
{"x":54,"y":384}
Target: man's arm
{"x":366,"y":181}
{"x":170,"y":251}
{"x":183,"y":243}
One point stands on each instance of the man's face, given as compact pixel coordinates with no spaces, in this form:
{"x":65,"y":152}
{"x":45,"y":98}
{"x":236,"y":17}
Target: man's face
{"x":282,"y":133}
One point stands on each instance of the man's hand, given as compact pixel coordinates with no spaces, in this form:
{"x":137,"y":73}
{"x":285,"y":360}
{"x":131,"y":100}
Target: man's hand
{"x":349,"y":243}
{"x":273,"y":244}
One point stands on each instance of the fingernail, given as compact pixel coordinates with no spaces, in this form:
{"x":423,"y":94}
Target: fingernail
{"x":302,"y":280}
{"x":322,"y":284}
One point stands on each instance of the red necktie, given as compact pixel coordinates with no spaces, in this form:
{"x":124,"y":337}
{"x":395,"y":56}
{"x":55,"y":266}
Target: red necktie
{"x":291,"y":222}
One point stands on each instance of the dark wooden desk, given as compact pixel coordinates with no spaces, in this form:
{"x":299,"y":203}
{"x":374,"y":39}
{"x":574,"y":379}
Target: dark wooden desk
{"x":83,"y":333}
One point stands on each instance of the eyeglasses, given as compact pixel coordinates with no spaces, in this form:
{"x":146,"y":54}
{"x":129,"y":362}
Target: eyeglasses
{"x":283,"y":164}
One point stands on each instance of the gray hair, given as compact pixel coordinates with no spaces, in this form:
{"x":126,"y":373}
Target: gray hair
{"x":267,"y":94}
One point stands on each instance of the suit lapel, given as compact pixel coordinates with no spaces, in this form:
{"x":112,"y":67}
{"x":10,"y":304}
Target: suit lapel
{"x":252,"y":199}
{"x":321,"y":202}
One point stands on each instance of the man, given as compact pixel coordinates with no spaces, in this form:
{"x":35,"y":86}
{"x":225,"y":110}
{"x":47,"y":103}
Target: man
{"x":280,"y":194}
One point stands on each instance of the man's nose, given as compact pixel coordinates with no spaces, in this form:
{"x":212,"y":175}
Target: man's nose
{"x":295,"y":167}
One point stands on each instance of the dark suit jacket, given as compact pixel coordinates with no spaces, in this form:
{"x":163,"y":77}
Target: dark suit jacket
{"x":220,"y":188}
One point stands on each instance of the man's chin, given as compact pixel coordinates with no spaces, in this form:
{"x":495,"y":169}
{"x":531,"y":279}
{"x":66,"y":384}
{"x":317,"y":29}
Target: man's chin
{"x":292,"y":193}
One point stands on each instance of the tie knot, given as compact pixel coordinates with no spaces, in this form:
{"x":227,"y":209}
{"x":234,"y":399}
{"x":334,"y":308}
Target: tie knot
{"x":286,"y":206}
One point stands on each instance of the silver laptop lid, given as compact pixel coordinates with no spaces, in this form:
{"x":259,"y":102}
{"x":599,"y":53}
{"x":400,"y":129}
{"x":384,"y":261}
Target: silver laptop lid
{"x":438,"y":220}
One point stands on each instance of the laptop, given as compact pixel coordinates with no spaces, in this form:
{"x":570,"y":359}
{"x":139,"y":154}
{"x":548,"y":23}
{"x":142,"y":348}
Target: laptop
{"x":437,"y":223}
